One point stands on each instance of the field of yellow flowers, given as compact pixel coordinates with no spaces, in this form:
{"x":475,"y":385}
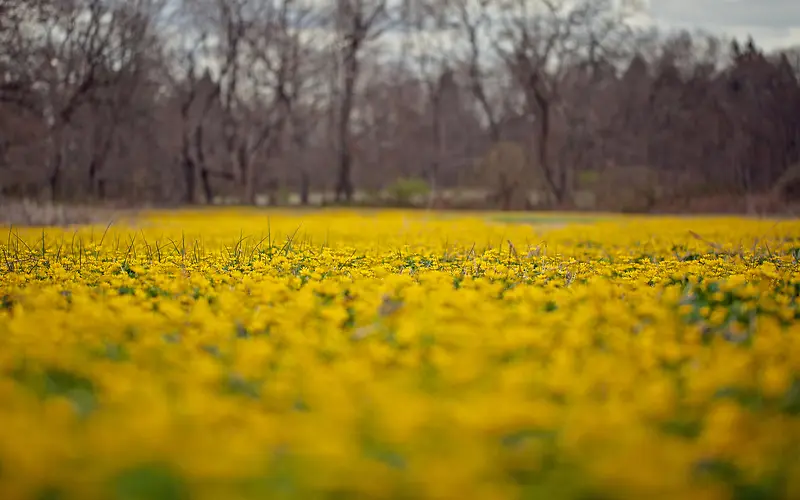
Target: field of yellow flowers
{"x":233,"y":354}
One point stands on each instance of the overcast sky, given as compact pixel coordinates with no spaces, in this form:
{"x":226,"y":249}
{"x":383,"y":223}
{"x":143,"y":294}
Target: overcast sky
{"x":772,"y":23}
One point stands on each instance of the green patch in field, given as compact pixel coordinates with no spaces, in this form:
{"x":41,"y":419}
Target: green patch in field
{"x":688,"y":428}
{"x":550,"y":306}
{"x":112,"y":351}
{"x":154,"y":291}
{"x":57,"y":382}
{"x":152,"y":481}
{"x":765,"y":488}
{"x":126,"y":268}
{"x":6,"y":302}
{"x":116,"y":352}
{"x":235,"y":384}
{"x":383,"y":453}
{"x":791,"y":402}
{"x":554,"y":480}
{"x":519,"y":437}
{"x":171,"y":338}
{"x":719,"y":470}
{"x":211,"y":350}
{"x":545,"y":219}
{"x":749,"y":399}
{"x":50,"y":493}
{"x":280,"y":480}
{"x":240,"y":331}
{"x":77,"y":388}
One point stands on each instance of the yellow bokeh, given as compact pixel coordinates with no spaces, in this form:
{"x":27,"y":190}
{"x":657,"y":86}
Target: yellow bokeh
{"x":344,"y":354}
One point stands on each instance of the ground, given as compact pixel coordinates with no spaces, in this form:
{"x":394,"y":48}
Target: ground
{"x":385,"y":354}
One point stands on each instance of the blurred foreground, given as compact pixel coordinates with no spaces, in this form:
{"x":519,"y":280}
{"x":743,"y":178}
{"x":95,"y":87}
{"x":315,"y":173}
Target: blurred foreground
{"x":226,"y":354}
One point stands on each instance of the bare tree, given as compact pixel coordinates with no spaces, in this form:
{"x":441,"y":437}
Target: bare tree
{"x":473,"y":19}
{"x":427,"y":59}
{"x":235,"y":112}
{"x":539,"y":42}
{"x":67,"y":56}
{"x":277,"y":44}
{"x":357,"y":23}
{"x":516,"y":101}
{"x":132,"y":39}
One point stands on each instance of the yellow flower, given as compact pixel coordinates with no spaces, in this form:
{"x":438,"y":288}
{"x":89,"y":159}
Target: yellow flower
{"x":395,"y":353}
{"x":775,"y":380}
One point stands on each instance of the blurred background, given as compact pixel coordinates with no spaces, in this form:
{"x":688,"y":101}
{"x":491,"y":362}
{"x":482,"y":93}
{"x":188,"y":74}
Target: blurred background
{"x":508,"y":104}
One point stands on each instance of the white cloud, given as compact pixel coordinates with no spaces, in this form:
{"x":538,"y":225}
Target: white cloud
{"x":772,"y":23}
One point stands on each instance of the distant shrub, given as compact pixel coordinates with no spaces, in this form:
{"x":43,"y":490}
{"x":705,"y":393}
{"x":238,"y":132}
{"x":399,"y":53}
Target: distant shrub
{"x":407,"y":191}
{"x":588,"y":178}
{"x":282,"y":196}
{"x":504,"y":172}
{"x":628,"y":188}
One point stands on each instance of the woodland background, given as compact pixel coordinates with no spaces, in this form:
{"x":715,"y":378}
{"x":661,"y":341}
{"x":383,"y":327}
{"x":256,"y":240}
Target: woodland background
{"x":506,"y":104}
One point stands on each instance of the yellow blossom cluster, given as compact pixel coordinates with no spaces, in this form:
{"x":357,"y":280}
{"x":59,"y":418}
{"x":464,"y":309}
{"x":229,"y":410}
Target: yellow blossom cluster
{"x":243,"y":354}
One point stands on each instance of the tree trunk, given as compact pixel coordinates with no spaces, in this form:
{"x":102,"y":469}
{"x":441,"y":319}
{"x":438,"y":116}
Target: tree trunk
{"x":189,"y":178}
{"x":200,"y":164}
{"x":93,"y":169}
{"x":248,"y":175}
{"x":189,"y":168}
{"x":205,"y":180}
{"x":440,"y":146}
{"x":55,"y":142}
{"x":555,"y":175}
{"x":305,"y":187}
{"x":344,"y":184}
{"x":54,"y":180}
{"x":542,"y":138}
{"x":99,"y":156}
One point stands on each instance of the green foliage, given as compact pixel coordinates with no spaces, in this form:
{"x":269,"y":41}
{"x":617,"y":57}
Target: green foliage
{"x":588,"y":179}
{"x":406,"y":191}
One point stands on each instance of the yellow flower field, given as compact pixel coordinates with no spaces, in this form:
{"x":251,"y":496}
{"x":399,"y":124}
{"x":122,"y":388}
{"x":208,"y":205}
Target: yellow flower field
{"x":234,"y":354}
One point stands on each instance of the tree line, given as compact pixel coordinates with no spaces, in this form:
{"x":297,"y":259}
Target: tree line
{"x":503,"y":103}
